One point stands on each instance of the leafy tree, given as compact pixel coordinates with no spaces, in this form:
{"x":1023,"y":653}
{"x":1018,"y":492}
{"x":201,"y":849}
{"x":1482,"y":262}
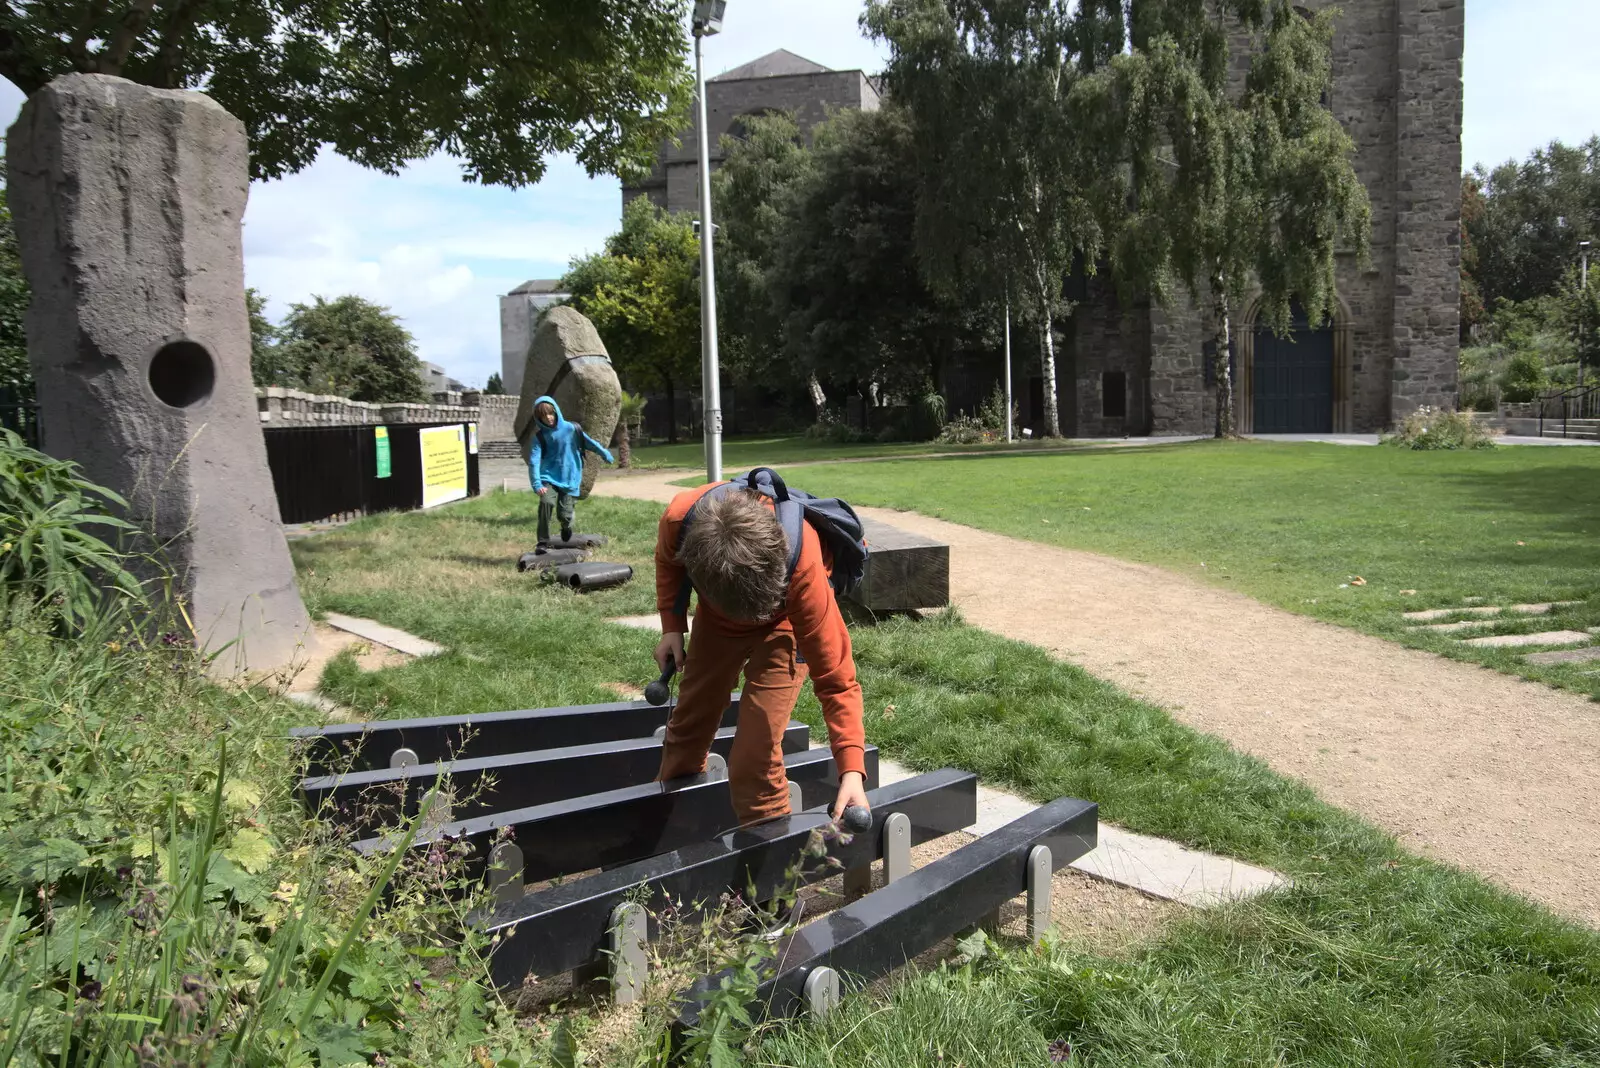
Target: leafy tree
{"x":642,"y":295}
{"x":499,"y":85}
{"x":1234,"y":192}
{"x":754,"y":188}
{"x":353,"y":348}
{"x":1472,"y":212}
{"x":629,"y":421}
{"x":1015,"y":170}
{"x":1534,"y":214}
{"x":14,"y":369}
{"x":269,"y":365}
{"x":856,"y":306}
{"x":495,"y":387}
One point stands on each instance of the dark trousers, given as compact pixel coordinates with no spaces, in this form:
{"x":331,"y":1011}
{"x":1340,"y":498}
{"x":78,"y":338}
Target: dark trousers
{"x":554,"y":500}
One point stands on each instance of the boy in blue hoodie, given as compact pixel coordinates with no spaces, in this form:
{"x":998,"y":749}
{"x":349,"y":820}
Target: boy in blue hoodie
{"x":555,"y":465}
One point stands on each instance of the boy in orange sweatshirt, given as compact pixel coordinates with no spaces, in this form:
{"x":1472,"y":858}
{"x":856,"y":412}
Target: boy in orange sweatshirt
{"x":756,"y":619}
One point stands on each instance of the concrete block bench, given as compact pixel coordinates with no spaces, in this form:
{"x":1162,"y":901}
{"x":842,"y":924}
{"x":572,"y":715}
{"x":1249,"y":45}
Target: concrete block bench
{"x":905,"y":571}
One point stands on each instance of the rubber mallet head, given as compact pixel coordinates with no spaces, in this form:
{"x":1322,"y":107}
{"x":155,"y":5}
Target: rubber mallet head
{"x":856,"y":819}
{"x":659,"y":691}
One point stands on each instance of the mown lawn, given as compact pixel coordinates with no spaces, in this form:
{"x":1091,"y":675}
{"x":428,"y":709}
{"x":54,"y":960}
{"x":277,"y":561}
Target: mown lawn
{"x":748,"y":451}
{"x":1375,"y":957}
{"x":1294,"y":525}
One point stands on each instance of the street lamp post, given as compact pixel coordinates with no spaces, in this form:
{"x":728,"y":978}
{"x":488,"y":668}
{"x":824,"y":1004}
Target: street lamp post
{"x":1583,"y":284}
{"x":707,"y":21}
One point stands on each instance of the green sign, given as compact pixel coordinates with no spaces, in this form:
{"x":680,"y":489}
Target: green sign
{"x":382,"y":435}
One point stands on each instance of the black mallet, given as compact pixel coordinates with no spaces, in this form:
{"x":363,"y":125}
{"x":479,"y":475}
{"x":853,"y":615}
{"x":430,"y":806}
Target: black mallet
{"x":856,"y":819}
{"x":660,"y":691}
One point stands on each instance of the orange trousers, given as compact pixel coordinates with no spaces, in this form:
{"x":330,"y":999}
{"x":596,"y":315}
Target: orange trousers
{"x":773,"y":675}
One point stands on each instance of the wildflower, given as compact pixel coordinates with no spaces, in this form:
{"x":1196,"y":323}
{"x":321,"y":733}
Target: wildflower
{"x":1060,"y":1051}
{"x":115,"y":647}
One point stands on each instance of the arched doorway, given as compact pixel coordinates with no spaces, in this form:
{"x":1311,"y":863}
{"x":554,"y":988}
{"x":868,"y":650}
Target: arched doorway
{"x":1293,"y":380}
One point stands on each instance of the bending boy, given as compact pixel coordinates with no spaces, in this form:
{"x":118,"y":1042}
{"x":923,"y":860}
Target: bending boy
{"x":756,"y":619}
{"x":555,"y":465}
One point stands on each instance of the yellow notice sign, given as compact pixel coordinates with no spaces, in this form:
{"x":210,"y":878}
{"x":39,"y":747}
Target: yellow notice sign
{"x":444,"y":464}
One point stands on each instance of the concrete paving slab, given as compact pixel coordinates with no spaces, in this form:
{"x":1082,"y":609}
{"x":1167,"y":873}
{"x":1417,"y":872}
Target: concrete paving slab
{"x":1565,"y":656}
{"x":394,"y":638}
{"x":1167,"y":870}
{"x":1446,"y":613}
{"x":650,"y":623}
{"x":1512,"y":641}
{"x":1454,"y":628}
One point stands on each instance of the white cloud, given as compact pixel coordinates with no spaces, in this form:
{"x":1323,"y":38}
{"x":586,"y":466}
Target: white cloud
{"x":440,"y":251}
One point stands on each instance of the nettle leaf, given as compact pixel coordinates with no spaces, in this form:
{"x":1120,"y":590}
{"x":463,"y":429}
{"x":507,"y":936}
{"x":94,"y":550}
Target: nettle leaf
{"x":251,"y":850}
{"x":241,"y":795}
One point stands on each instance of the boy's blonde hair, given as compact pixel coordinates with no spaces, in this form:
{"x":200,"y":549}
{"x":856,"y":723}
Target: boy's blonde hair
{"x":737,"y":557}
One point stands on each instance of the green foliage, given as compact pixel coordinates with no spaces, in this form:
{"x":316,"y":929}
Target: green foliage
{"x":1479,"y":371}
{"x":50,"y":560}
{"x":1534,"y":213}
{"x":1433,"y":428}
{"x":168,"y":903}
{"x":494,"y":387}
{"x":269,"y":359}
{"x":385,"y":83}
{"x":349,"y":347}
{"x":642,"y":295}
{"x":1524,"y":378}
{"x":14,"y":296}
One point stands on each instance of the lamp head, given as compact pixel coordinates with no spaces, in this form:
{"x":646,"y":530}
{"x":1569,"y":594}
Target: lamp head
{"x":708,"y":16}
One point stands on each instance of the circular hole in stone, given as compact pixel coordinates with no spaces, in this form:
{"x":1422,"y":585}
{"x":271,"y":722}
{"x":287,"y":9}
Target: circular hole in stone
{"x":182,"y":374}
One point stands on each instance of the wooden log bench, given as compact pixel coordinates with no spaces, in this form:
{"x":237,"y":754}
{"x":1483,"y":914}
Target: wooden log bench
{"x":906,"y":572}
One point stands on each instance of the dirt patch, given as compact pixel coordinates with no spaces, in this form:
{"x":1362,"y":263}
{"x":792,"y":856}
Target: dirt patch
{"x":1479,"y":769}
{"x":628,"y":691}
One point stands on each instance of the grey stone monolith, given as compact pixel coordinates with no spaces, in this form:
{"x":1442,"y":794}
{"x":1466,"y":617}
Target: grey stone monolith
{"x":568,"y":361}
{"x":127,"y":203}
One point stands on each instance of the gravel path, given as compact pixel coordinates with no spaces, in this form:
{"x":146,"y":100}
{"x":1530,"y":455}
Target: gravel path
{"x":1472,"y":767}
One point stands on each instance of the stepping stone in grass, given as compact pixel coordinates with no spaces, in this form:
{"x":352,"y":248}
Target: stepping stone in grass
{"x":1565,"y":656}
{"x":1549,"y":637}
{"x":1451,"y":628}
{"x":1445,"y":613}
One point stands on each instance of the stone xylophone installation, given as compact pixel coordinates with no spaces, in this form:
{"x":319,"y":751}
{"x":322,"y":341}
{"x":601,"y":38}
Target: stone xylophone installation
{"x":545,"y":794}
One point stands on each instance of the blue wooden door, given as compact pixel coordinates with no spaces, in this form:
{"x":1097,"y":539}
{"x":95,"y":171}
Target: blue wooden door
{"x":1293,"y":379}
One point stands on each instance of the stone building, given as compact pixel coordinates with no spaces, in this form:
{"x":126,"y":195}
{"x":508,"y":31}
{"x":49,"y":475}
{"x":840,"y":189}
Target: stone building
{"x":1393,"y":344}
{"x":778,"y":81}
{"x":519,"y":317}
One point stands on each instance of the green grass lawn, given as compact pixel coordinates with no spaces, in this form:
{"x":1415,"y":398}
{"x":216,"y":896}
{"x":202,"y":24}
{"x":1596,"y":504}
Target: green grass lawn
{"x":1293,"y":525}
{"x":739,"y":453}
{"x":1375,"y":957}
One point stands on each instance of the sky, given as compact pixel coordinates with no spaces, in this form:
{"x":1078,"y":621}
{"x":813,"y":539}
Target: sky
{"x":439,"y":252}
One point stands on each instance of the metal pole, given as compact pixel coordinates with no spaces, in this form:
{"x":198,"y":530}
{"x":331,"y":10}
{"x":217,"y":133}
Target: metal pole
{"x":1583,"y":307}
{"x":710,"y":388}
{"x":1008,"y":372}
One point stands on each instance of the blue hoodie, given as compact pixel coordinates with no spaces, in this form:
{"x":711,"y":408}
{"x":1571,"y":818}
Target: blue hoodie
{"x":555,"y":458}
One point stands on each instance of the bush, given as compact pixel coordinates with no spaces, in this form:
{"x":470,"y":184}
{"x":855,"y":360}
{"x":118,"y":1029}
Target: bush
{"x":836,"y":431}
{"x":1433,"y":428}
{"x":49,"y":560}
{"x":967,"y":430}
{"x":1524,"y":378}
{"x":993,"y":412}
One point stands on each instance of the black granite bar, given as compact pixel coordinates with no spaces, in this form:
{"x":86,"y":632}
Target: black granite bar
{"x":618,"y":826}
{"x":368,"y":801}
{"x":888,"y":927}
{"x":559,"y":928}
{"x":366,"y":746}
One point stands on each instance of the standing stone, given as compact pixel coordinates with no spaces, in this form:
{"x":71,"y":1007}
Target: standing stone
{"x":127,"y":203}
{"x":568,"y":361}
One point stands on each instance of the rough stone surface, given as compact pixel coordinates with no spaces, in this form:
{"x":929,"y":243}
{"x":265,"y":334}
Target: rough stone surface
{"x":127,"y":203}
{"x":1565,"y":656}
{"x":1512,"y":641}
{"x":561,"y":363}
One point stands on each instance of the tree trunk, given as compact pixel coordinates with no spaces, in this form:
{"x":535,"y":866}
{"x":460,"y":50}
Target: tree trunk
{"x":672,"y":414}
{"x":624,"y":445}
{"x":819,"y":399}
{"x":1224,"y":368}
{"x":1052,"y":413}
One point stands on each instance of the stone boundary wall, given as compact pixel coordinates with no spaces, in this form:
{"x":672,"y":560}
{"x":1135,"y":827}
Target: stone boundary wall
{"x":280,"y":407}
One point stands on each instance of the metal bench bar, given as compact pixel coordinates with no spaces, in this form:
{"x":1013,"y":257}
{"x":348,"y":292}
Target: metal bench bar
{"x":368,"y":801}
{"x":560,"y":928}
{"x":617,"y":826}
{"x":888,"y":927}
{"x":366,"y":746}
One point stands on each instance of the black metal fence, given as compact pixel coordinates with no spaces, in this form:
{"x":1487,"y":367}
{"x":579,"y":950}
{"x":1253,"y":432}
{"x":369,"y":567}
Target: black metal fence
{"x":329,"y":472}
{"x":20,"y":413}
